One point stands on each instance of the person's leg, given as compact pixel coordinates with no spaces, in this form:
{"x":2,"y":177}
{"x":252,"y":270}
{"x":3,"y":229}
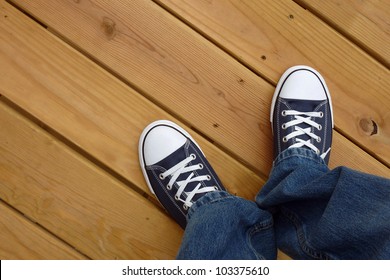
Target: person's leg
{"x":217,"y":225}
{"x":327,"y":214}
{"x":320,"y":213}
{"x":222,"y":226}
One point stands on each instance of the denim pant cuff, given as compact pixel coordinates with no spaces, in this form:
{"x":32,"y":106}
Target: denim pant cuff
{"x":301,"y":153}
{"x":209,"y":198}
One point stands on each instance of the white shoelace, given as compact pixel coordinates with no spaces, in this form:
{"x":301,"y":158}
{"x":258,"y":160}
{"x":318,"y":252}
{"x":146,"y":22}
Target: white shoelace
{"x":303,"y":117}
{"x":180,"y":168}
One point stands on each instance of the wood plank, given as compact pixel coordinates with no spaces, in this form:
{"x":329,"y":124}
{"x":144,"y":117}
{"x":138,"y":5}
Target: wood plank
{"x":22,"y":69}
{"x":21,"y":239}
{"x":270,"y":36}
{"x":72,"y":198}
{"x":88,"y":106}
{"x":171,"y":67}
{"x":365,"y":22}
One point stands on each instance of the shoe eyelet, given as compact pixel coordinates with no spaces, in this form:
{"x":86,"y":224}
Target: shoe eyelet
{"x":193,"y":156}
{"x":200,"y":166}
{"x":318,"y":139}
{"x":176,"y":197}
{"x":208,"y":177}
{"x":169,"y":187}
{"x":318,"y":152}
{"x":284,"y":126}
{"x":284,"y":113}
{"x":161,"y":176}
{"x":320,"y":127}
{"x":185,"y":207}
{"x":284,"y":139}
{"x":321,"y":115}
{"x":215,"y":188}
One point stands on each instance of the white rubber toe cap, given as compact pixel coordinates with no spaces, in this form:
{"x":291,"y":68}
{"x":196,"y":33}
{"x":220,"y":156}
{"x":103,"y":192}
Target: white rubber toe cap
{"x":303,"y":83}
{"x":159,"y":140}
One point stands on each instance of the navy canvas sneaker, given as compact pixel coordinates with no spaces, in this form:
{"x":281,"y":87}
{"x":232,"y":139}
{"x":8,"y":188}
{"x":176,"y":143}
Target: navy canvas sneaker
{"x":301,"y":112}
{"x":175,"y":168}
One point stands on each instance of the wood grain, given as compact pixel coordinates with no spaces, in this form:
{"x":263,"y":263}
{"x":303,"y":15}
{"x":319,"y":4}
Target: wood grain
{"x":365,"y":22}
{"x":172,"y":68}
{"x":270,"y":36}
{"x":76,"y":201}
{"x":102,"y":117}
{"x":177,"y":66}
{"x":89,"y":107}
{"x":21,"y":239}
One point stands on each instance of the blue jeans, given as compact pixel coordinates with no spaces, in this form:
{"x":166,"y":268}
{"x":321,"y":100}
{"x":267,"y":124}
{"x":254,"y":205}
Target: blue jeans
{"x":305,"y":209}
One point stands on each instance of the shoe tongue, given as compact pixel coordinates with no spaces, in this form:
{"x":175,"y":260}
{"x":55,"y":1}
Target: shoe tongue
{"x":173,"y":159}
{"x":303,"y":106}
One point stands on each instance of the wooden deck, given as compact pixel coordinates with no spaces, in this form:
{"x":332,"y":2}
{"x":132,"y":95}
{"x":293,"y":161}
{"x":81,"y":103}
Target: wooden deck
{"x":79,"y":80}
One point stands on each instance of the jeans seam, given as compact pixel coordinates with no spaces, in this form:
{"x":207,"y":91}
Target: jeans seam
{"x":256,"y":229}
{"x":303,"y":243}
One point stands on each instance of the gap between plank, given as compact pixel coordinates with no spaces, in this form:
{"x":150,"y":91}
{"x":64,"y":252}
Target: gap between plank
{"x":160,"y":105}
{"x":258,"y":73}
{"x":84,"y":154}
{"x":26,"y":13}
{"x":214,"y":42}
{"x":363,"y":148}
{"x":344,"y":34}
{"x":61,"y":138}
{"x":139,"y":91}
{"x":155,"y":101}
{"x":28,"y":218}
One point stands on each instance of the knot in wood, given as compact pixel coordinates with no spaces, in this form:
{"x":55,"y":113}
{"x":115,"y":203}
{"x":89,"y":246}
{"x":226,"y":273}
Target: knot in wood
{"x":368,"y":126}
{"x":108,"y":26}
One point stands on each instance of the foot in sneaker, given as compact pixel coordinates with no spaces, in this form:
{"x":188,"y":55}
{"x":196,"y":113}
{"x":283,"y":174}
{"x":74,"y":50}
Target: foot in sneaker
{"x":301,"y":112}
{"x":175,"y":168}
